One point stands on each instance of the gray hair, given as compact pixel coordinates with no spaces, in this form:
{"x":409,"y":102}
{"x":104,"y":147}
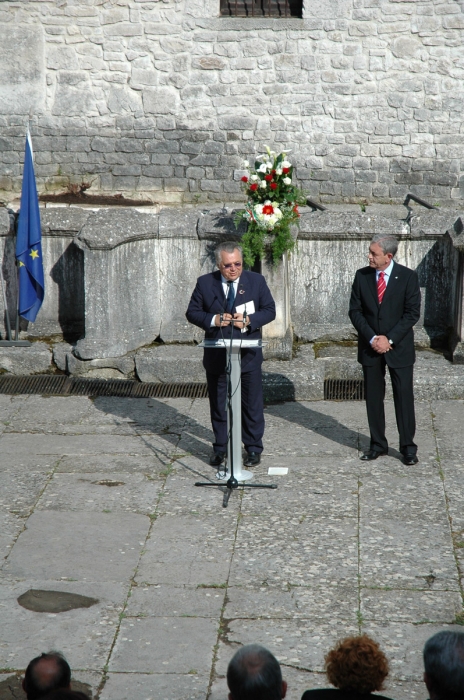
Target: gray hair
{"x":254,"y":674}
{"x":444,"y":665}
{"x":387,"y":242}
{"x":226,"y":247}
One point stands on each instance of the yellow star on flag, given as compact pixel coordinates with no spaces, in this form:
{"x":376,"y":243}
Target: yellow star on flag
{"x":21,"y":264}
{"x":34,"y":254}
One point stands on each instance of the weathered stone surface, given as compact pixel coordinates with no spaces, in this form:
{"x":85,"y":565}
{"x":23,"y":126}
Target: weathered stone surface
{"x":108,"y":228}
{"x":35,"y":359}
{"x":122,"y":300}
{"x":63,"y":221}
{"x":218,"y":225}
{"x":178,"y":223}
{"x":6,"y":222}
{"x":121,"y":366}
{"x":22,"y":56}
{"x":170,"y":363}
{"x":321,"y":224}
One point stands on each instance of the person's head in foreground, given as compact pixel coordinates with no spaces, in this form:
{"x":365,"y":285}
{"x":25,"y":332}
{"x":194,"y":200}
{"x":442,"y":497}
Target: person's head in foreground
{"x":254,"y":674}
{"x":46,"y":673}
{"x":357,"y":665}
{"x":444,"y":666}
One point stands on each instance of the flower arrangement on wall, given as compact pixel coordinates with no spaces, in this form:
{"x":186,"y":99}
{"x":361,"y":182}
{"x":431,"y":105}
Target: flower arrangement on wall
{"x":271,"y":209}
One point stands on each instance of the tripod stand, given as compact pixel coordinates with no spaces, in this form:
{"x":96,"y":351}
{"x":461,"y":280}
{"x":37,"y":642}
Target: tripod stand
{"x":234,"y":417}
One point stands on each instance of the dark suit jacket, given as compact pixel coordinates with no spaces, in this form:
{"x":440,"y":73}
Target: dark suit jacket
{"x":208,"y":299}
{"x":333,"y":694}
{"x":394,"y":317}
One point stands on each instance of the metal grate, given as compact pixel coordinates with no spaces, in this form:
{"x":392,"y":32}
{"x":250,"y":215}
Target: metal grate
{"x":344,"y":389}
{"x":60,"y":385}
{"x":261,"y":8}
{"x":38,"y":384}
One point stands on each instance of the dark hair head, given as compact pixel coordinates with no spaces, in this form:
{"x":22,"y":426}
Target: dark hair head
{"x":254,"y":674}
{"x":45,"y":673}
{"x":444,"y":665}
{"x":357,"y":664}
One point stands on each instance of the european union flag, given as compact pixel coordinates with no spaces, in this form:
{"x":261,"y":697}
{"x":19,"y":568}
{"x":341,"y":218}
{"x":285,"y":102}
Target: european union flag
{"x":28,"y":243}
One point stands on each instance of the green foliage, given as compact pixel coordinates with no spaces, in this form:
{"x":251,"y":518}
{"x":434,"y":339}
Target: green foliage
{"x":271,"y":210}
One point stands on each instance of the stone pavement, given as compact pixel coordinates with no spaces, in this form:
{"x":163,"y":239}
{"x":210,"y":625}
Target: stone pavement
{"x":98,"y":499}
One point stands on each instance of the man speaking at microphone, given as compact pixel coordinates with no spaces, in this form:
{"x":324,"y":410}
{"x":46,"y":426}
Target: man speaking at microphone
{"x":233,"y":301}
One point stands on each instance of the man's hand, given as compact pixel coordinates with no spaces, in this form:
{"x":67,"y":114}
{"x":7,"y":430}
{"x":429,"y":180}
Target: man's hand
{"x":238,"y":321}
{"x":380,"y":344}
{"x":226,"y":319}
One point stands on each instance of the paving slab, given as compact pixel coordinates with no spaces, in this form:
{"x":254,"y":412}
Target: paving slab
{"x":82,"y":545}
{"x":156,"y":644}
{"x":188,"y":549}
{"x":101,"y":492}
{"x":84,"y":635}
{"x":155,"y":686}
{"x":20,"y":444}
{"x":406,"y":553}
{"x":177,"y":601}
{"x":299,"y":602}
{"x":416,"y":606}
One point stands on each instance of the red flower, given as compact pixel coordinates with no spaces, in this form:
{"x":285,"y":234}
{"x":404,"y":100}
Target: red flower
{"x":273,"y":172}
{"x":268,"y":178}
{"x":244,"y":178}
{"x":268,"y":209}
{"x":273,"y":185}
{"x":254,"y":187}
{"x":295,"y":209}
{"x":285,"y":170}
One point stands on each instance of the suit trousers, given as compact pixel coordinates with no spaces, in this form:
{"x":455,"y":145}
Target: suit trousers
{"x":252,"y":410}
{"x":403,"y":397}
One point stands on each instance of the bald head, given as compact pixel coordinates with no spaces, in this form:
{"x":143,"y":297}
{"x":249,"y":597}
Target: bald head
{"x":46,"y":673}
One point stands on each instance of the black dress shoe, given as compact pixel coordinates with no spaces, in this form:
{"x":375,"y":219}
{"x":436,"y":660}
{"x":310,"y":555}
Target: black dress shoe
{"x":411,"y":459}
{"x":372,"y":454}
{"x":252,"y":459}
{"x":217,"y":458}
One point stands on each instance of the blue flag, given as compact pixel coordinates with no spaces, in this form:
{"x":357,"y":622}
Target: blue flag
{"x":28,"y":243}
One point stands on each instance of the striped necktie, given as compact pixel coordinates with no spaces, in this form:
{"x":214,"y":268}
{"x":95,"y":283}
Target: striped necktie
{"x":230,"y":297}
{"x":381,"y":286}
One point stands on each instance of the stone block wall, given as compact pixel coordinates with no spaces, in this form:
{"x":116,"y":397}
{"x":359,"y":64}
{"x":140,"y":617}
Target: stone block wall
{"x":119,"y":279}
{"x":164,"y":98}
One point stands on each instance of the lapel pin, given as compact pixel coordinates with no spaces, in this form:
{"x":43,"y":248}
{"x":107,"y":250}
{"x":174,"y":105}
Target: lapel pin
{"x":241,"y":291}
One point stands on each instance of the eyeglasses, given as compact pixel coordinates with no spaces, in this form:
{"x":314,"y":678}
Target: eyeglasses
{"x":227,"y":266}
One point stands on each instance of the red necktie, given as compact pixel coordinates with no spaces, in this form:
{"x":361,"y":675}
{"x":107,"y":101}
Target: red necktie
{"x":381,"y":286}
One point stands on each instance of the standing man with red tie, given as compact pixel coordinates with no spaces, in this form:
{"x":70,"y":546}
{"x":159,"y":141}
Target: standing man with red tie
{"x":218,"y":305}
{"x":384,"y":307}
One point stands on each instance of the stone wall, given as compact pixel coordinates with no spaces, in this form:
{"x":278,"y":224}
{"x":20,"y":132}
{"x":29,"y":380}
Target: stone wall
{"x":117,"y":279}
{"x":165,"y":99}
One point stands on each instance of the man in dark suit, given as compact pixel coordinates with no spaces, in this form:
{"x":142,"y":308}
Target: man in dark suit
{"x":384,"y":306}
{"x":213,"y":307}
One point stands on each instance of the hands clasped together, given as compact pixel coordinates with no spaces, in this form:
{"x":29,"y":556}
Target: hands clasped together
{"x":236,"y":318}
{"x":380,"y":344}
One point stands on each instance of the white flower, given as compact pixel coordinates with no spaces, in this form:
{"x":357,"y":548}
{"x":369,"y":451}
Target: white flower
{"x":287,"y":181}
{"x":279,"y":171}
{"x":286,"y":164}
{"x":254,"y":177}
{"x":263,"y":184}
{"x":246,"y":164}
{"x":262,"y":168}
{"x":269,"y":165}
